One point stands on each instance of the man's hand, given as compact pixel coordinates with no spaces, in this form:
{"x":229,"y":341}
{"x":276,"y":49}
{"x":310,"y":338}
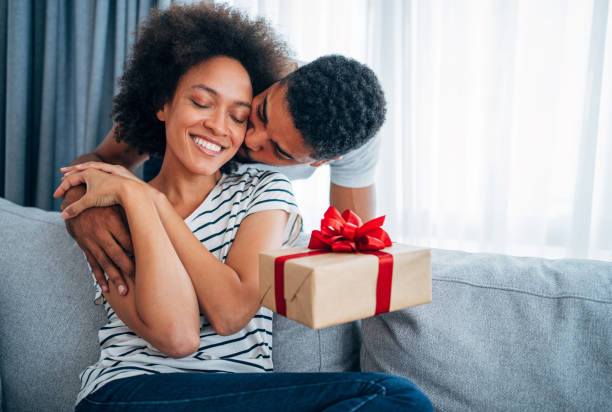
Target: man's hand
{"x":104,"y":236}
{"x":103,"y":233}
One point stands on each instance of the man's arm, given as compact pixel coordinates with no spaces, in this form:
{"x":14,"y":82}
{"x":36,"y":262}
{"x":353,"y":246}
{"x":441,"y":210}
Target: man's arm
{"x":114,"y":152}
{"x":352,"y":180}
{"x":103,"y":233}
{"x":360,"y":200}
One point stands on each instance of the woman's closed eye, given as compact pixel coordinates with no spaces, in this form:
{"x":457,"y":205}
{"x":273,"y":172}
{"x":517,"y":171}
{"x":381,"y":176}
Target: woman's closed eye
{"x":240,"y":119}
{"x":239,"y":114}
{"x":200,"y":105}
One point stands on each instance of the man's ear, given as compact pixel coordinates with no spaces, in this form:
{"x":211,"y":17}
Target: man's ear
{"x":320,"y":162}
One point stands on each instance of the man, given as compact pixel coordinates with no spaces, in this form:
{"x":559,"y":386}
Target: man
{"x":326,"y":111}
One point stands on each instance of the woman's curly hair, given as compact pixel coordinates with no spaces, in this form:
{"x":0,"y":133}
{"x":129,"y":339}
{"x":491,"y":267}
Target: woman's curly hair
{"x":173,"y":40}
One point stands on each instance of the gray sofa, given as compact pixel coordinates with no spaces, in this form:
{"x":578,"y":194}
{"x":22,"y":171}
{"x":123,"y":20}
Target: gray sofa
{"x":502,"y":333}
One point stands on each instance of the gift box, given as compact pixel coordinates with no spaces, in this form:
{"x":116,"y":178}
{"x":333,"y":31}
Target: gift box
{"x":320,"y":288}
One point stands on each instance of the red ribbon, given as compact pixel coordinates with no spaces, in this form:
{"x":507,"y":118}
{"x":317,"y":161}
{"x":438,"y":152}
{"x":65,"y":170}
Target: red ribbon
{"x":279,"y":278}
{"x":344,"y":233}
{"x":384,"y":281}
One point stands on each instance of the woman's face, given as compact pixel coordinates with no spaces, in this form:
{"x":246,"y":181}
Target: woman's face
{"x":207,"y":118}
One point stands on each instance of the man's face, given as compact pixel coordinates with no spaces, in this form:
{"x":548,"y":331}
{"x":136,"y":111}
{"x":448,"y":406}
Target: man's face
{"x":271,"y":136}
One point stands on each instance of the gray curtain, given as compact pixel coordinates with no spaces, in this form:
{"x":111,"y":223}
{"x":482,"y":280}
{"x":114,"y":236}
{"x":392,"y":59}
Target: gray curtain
{"x":59,"y":65}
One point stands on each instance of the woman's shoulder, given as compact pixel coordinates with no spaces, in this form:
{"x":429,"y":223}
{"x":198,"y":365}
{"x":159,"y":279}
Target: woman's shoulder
{"x":256,"y":178}
{"x":252,"y":184}
{"x":259,"y":190}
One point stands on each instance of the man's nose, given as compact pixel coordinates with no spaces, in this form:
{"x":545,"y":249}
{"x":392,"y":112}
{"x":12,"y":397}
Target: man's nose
{"x":255,"y":139}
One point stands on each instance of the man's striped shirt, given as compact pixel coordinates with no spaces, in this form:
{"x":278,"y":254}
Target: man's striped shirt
{"x":215,"y":223}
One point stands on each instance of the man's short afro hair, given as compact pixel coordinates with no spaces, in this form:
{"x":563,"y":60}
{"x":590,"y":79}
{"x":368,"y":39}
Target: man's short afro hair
{"x":172,"y":41}
{"x":336,"y":103}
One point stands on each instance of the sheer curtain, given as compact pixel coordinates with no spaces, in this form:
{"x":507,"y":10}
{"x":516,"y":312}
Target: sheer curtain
{"x":498,"y":137}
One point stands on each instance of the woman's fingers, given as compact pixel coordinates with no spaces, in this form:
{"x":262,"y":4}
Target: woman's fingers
{"x":81,"y":166}
{"x":105,"y":167}
{"x":117,"y":170}
{"x":68,"y":182}
{"x":77,"y":207}
{"x":66,"y":169}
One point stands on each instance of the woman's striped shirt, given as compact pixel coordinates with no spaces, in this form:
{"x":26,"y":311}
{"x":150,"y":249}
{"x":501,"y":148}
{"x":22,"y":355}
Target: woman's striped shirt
{"x":215,"y":223}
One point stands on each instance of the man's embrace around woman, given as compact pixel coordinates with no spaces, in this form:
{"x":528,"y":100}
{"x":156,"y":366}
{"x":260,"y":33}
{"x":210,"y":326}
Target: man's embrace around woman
{"x":186,"y":332}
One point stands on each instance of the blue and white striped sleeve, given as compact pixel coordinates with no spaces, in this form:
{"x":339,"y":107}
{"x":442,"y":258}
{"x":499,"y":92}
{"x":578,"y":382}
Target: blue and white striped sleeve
{"x":274,"y":192}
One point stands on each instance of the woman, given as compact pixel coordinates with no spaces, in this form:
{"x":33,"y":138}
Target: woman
{"x":197,"y":232}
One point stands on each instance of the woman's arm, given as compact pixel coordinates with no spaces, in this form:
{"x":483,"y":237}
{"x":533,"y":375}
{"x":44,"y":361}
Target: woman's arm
{"x":163,"y":307}
{"x":228,"y":293}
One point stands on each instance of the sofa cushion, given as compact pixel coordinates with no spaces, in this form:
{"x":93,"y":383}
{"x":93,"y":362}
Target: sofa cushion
{"x":503,"y":333}
{"x":48,"y":323}
{"x":297,"y":348}
{"x":332,"y":349}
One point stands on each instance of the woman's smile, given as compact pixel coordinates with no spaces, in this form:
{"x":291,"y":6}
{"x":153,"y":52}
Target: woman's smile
{"x":206,"y":145}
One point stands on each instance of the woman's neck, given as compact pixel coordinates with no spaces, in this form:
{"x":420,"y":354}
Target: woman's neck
{"x":184,"y":189}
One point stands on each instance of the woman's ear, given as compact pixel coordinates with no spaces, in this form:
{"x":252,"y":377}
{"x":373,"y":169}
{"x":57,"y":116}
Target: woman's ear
{"x":161,"y":114}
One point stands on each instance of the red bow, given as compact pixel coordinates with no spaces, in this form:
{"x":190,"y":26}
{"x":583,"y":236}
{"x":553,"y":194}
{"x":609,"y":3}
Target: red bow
{"x":346,"y":233}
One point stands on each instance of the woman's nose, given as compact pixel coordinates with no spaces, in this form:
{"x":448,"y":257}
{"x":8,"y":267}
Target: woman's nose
{"x":217,"y":123}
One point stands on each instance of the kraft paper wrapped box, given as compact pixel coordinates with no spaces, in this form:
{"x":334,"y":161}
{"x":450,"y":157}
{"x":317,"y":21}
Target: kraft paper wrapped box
{"x":331,"y":288}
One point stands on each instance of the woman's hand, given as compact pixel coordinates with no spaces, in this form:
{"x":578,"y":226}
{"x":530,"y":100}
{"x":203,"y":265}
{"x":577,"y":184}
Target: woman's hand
{"x":103,"y":188}
{"x":116,"y":170}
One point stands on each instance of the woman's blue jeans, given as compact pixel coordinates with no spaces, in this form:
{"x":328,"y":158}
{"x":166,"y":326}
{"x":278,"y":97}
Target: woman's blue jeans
{"x":347,"y":391}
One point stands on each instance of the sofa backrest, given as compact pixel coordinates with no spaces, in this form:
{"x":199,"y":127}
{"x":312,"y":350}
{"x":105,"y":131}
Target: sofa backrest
{"x":48,"y":321}
{"x":504,"y":334}
{"x":49,"y":324}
